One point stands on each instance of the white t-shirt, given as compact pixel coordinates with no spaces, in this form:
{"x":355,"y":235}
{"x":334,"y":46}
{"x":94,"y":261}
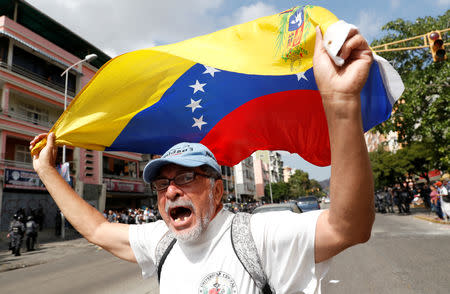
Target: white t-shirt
{"x":285,"y":244}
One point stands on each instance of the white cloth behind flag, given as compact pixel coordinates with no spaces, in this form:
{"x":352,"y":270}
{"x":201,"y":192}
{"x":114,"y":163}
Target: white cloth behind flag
{"x":63,"y":170}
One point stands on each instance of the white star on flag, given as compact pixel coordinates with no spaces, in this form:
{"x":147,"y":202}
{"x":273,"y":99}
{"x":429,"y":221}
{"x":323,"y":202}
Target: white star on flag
{"x":194,"y":104}
{"x":198,"y":87}
{"x":301,"y":75}
{"x":210,"y":70}
{"x":198,"y":122}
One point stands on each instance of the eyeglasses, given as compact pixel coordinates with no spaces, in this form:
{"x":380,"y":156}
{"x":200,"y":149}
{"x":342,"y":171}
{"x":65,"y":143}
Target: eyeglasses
{"x":179,"y":180}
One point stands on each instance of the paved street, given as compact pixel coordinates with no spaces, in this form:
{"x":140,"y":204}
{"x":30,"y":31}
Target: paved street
{"x":405,"y":255}
{"x":73,"y":267}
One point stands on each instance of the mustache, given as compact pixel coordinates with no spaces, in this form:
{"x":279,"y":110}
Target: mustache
{"x":179,"y":202}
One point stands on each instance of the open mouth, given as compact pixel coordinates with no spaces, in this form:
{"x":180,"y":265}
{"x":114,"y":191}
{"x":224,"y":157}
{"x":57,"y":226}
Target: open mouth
{"x":180,"y":214}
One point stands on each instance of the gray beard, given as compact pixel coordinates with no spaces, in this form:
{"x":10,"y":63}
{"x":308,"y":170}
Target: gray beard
{"x":200,"y":225}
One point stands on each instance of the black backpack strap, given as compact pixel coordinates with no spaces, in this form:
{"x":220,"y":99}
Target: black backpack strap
{"x":162,"y":250}
{"x":245,"y":249}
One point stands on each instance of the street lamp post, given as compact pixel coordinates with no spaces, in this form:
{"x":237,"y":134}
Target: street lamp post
{"x":88,"y":58}
{"x":270,"y":180}
{"x":66,"y":72}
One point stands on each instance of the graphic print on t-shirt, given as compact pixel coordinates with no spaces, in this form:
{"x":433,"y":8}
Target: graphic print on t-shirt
{"x":218,"y":283}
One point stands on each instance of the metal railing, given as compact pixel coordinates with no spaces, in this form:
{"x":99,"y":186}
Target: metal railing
{"x":117,"y":177}
{"x":5,"y":163}
{"x":35,"y":77}
{"x":23,"y":117}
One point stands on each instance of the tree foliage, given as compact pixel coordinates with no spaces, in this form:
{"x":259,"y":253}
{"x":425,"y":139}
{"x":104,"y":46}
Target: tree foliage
{"x":423,"y":111}
{"x":391,"y":168}
{"x":299,"y":184}
{"x":280,"y":192}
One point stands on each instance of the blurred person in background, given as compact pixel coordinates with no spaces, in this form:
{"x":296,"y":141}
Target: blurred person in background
{"x":31,"y":232}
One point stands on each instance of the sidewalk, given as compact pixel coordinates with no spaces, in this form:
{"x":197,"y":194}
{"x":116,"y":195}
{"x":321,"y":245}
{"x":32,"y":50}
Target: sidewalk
{"x":426,"y":215}
{"x":49,"y":247}
{"x":44,"y":253}
{"x":431,"y":217}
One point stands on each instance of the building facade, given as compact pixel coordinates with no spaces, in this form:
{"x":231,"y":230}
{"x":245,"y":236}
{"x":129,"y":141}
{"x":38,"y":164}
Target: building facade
{"x":245,"y":180}
{"x":34,"y":51}
{"x":262,"y":177}
{"x":228,"y":183}
{"x":274,"y":162}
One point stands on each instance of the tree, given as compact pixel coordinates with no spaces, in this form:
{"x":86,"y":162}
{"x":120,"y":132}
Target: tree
{"x":316,"y":189}
{"x":299,"y":183}
{"x":419,"y":156}
{"x":280,"y":192}
{"x":423,"y":111}
{"x":391,"y":168}
{"x":388,"y":168}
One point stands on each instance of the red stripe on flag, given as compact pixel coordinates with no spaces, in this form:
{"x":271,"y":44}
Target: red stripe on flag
{"x":293,"y":121}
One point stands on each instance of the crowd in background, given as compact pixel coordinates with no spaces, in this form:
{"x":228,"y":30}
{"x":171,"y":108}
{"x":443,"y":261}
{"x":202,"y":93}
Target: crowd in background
{"x":396,"y":199}
{"x":433,"y":197}
{"x":132,"y":216}
{"x":151,"y":214}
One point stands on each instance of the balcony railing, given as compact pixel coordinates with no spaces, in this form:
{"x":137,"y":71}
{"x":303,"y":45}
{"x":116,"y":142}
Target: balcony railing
{"x":23,"y":117}
{"x":17,"y":164}
{"x":116,"y":177}
{"x":35,"y":77}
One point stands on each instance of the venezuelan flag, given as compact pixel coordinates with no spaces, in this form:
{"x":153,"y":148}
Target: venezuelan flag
{"x":245,"y":88}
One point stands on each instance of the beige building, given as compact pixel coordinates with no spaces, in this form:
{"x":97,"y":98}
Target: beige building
{"x":261,"y":170}
{"x":274,"y":162}
{"x":287,"y":173}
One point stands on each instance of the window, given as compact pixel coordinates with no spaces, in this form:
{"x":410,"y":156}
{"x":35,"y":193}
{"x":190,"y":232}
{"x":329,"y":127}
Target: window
{"x":4,"y":43}
{"x":41,"y":70}
{"x":119,"y":167}
{"x":22,"y":154}
{"x":226,"y":170}
{"x":33,"y":113}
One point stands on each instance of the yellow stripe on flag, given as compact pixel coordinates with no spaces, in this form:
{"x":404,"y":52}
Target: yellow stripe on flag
{"x":123,"y":87}
{"x":251,"y":48}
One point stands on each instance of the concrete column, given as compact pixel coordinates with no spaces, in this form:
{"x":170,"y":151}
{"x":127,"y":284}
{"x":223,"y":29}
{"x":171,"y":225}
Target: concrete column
{"x":99,"y":167}
{"x":79,"y":188}
{"x":2,"y":145}
{"x":1,"y":197}
{"x":102,"y":199}
{"x":78,"y":85}
{"x":16,"y":6}
{"x":76,"y":163}
{"x":10,"y":54}
{"x":5,"y":99}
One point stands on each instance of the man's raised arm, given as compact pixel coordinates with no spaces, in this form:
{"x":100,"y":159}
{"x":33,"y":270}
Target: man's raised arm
{"x":350,"y":217}
{"x":83,"y":217}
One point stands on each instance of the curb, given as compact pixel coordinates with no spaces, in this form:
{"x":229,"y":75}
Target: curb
{"x":11,"y":267}
{"x":432,"y":220}
{"x":43,"y":254}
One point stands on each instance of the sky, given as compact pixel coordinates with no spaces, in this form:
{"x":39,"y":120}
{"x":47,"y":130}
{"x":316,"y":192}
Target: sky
{"x":117,"y":26}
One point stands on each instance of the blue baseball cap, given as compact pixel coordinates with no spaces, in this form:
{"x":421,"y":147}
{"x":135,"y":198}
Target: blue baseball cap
{"x":184,"y":154}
